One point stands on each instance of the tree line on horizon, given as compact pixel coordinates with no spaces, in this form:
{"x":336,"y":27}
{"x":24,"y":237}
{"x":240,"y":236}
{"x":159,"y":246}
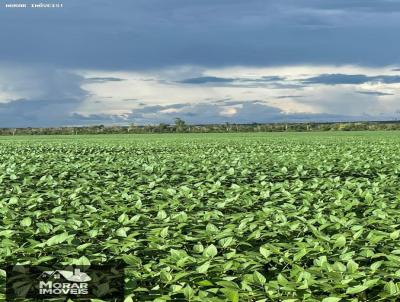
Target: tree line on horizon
{"x":180,"y":126}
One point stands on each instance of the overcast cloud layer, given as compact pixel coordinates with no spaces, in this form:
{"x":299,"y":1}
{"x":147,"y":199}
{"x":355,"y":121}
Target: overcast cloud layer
{"x":149,"y":61}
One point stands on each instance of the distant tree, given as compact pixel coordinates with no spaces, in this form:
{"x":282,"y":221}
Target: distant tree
{"x":131,"y":127}
{"x":180,"y":125}
{"x":162,"y":128}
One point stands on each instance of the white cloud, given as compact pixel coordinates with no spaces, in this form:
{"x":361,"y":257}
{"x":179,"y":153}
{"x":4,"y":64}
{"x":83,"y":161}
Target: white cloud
{"x":224,"y":92}
{"x":228,"y":111}
{"x":163,"y":87}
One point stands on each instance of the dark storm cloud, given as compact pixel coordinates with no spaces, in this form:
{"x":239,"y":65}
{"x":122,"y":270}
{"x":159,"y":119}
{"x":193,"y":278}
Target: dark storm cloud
{"x":380,"y":6}
{"x":377,"y":93}
{"x":271,"y":78}
{"x":143,"y":34}
{"x":336,"y":79}
{"x":104,"y":79}
{"x":204,"y":80}
{"x":155,"y":34}
{"x":54,"y":94}
{"x":36,"y":113}
{"x":289,"y":96}
{"x":215,"y":81}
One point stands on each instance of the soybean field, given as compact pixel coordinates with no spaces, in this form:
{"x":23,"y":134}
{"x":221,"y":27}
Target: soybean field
{"x":211,"y":217}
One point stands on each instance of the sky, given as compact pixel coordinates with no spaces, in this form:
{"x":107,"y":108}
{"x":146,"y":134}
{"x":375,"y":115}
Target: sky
{"x":206,"y":61}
